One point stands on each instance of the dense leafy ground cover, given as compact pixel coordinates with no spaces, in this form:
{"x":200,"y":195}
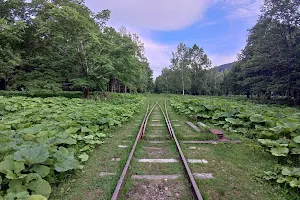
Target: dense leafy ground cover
{"x":43,"y":140}
{"x":277,"y":129}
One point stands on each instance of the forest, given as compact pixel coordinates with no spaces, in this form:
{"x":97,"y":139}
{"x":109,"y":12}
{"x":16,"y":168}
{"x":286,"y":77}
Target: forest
{"x":54,"y":45}
{"x":268,"y":67}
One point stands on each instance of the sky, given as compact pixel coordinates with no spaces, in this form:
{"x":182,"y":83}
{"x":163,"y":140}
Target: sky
{"x":219,"y":26}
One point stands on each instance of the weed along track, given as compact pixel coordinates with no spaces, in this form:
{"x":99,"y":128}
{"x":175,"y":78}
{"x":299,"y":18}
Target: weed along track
{"x":156,"y":167}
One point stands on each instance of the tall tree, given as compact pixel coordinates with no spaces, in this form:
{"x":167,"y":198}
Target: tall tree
{"x":180,"y":62}
{"x":269,"y":64}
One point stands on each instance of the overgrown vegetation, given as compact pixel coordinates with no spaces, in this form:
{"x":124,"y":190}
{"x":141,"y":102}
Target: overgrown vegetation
{"x":276,"y":128}
{"x":43,"y":140}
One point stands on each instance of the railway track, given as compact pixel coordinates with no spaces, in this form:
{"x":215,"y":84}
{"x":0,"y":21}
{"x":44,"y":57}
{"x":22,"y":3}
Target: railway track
{"x":159,"y":121}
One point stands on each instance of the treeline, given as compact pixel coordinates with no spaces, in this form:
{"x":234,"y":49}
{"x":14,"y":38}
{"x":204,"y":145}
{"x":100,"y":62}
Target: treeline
{"x":60,"y":44}
{"x":190,"y":73}
{"x":268,"y":67}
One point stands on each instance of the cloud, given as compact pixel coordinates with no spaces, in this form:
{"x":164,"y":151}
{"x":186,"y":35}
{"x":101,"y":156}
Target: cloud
{"x":218,"y":60}
{"x":163,"y":15}
{"x":248,"y":11}
{"x":145,"y":16}
{"x":236,"y":2}
{"x":158,"y":54}
{"x":205,"y":24}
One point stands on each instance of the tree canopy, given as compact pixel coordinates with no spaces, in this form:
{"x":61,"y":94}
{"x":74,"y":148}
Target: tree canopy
{"x":48,"y":43}
{"x":190,"y":72}
{"x":270,"y":62}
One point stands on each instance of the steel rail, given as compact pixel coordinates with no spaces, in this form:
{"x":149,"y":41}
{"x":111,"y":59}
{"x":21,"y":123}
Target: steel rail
{"x":126,"y":167}
{"x":183,"y":159}
{"x":146,"y":122}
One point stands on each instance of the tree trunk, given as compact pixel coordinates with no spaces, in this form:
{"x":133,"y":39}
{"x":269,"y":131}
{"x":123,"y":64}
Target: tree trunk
{"x":248,"y":94}
{"x":296,"y":98}
{"x":86,"y":92}
{"x":182,"y":79}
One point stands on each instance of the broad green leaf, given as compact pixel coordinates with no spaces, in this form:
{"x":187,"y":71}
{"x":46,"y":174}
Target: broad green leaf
{"x":84,"y":157}
{"x":281,"y":180}
{"x":291,"y":126}
{"x":18,"y":167}
{"x":279,"y":151}
{"x":29,"y":137}
{"x":89,"y":137}
{"x":297,"y":139}
{"x":41,"y":170}
{"x":269,"y":143}
{"x":11,"y":175}
{"x":65,"y":161}
{"x":40,"y":187}
{"x":296,"y":172}
{"x":37,"y":197}
{"x":86,"y":130}
{"x":285,"y":171}
{"x":72,"y":130}
{"x":7,"y":164}
{"x":295,"y":183}
{"x":16,"y":186}
{"x":101,"y":135}
{"x":234,"y":121}
{"x":32,"y":176}
{"x":32,"y":130}
{"x":295,"y":151}
{"x":257,"y":118}
{"x":32,"y":155}
{"x":85,"y":148}
{"x":22,"y":195}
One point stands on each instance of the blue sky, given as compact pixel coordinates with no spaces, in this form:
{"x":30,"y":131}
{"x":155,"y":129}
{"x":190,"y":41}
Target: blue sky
{"x":219,"y":26}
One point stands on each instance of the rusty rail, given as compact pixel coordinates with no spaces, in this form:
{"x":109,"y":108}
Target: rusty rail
{"x":183,"y":159}
{"x":146,"y":122}
{"x":140,"y":134}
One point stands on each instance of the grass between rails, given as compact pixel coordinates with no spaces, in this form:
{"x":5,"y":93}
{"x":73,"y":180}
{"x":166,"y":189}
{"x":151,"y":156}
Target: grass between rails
{"x":234,"y":166}
{"x":134,"y":189}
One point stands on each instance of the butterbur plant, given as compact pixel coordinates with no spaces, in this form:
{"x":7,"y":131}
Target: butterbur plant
{"x":277,"y":129}
{"x":43,"y":140}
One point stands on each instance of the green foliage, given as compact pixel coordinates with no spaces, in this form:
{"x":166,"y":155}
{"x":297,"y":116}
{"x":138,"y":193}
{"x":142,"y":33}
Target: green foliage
{"x":276,"y":128}
{"x":269,"y":64}
{"x":42,"y":139}
{"x":47,"y":43}
{"x":189,"y":73}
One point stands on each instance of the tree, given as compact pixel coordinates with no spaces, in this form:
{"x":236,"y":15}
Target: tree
{"x":180,"y":63}
{"x":191,"y":66}
{"x":269,"y":64}
{"x":199,"y":62}
{"x":46,"y":43}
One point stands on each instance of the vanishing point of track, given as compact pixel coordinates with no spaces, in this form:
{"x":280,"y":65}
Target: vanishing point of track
{"x":141,"y":136}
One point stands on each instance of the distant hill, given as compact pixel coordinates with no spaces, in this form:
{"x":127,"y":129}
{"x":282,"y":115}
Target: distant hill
{"x":225,"y":66}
